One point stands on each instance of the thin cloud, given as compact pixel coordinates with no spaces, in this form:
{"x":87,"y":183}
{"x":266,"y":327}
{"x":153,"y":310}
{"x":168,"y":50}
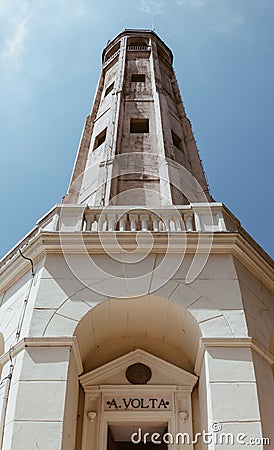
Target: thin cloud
{"x":194,"y":4}
{"x":14,"y":47}
{"x":17,"y":16}
{"x":152,"y":7}
{"x":20,"y":19}
{"x":13,"y":24}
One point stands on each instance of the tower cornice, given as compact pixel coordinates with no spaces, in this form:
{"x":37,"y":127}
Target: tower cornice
{"x":41,"y":242}
{"x":137,"y":32}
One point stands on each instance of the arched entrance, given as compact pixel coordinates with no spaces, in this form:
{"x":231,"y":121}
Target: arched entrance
{"x":152,"y":323}
{"x":136,"y":399}
{"x":157,"y":340}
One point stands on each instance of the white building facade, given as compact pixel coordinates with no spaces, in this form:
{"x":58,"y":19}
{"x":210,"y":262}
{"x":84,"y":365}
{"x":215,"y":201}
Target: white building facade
{"x":138,"y":310}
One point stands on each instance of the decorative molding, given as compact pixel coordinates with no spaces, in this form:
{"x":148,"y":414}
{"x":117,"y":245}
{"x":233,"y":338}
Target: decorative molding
{"x":46,"y":342}
{"x":97,"y":376}
{"x":239,"y":244}
{"x":245,"y":342}
{"x":183,"y":415}
{"x":92,"y":416}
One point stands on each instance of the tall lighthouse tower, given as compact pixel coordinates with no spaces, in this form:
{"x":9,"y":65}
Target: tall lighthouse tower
{"x":138,"y":310}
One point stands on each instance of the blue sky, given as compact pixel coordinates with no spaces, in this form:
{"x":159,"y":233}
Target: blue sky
{"x":50,"y":61}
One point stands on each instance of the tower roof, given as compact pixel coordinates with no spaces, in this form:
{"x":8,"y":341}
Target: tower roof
{"x":137,"y":32}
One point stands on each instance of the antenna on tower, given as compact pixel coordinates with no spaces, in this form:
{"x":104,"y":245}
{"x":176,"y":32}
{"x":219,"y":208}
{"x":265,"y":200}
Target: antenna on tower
{"x":152,"y":26}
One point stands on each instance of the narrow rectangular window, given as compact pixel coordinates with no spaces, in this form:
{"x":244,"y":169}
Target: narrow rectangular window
{"x":139,"y":125}
{"x":109,"y":89}
{"x":100,"y":138}
{"x":176,"y":140}
{"x":138,"y":78}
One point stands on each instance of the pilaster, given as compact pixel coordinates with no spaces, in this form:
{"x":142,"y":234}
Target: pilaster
{"x":42,"y":400}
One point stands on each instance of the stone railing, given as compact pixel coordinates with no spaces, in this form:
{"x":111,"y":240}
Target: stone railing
{"x":137,"y":219}
{"x":111,"y":58}
{"x":140,"y":48}
{"x":165,"y":219}
{"x":201,"y":217}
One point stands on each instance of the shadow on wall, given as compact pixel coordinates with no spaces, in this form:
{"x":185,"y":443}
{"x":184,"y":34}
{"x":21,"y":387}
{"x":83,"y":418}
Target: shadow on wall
{"x":2,"y":349}
{"x":151,"y":323}
{"x":272,"y":350}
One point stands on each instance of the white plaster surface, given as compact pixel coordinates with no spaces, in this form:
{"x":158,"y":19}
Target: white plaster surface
{"x":71,"y":407}
{"x":265,"y":381}
{"x":74,"y":309}
{"x":11,"y":309}
{"x":241,"y":432}
{"x":59,"y":326}
{"x":258,"y":303}
{"x":230,"y":365}
{"x":12,"y":404}
{"x":224,"y":294}
{"x":203,"y":309}
{"x":237,"y":322}
{"x":216,"y":327}
{"x":34,"y":435}
{"x":40,"y":320}
{"x":185,"y":295}
{"x":50,"y":294}
{"x":234,"y":402}
{"x":45,"y":364}
{"x":45,"y":401}
{"x":219,"y":267}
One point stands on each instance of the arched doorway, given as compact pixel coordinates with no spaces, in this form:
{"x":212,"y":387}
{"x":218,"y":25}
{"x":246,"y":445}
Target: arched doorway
{"x":119,"y":334}
{"x":152,"y":323}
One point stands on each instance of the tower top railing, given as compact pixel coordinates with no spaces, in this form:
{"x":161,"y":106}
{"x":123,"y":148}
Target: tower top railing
{"x":67,"y":227}
{"x":196,"y":217}
{"x":137,"y":33}
{"x":75,"y":218}
{"x":193,"y":218}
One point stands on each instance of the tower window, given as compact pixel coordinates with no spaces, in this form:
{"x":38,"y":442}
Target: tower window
{"x":176,"y":140}
{"x":100,"y":138}
{"x":138,"y":78}
{"x":109,"y":89}
{"x":139,"y":125}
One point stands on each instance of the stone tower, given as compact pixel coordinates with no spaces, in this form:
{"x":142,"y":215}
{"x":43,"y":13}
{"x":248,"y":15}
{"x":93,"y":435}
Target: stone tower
{"x":138,"y":309}
{"x":137,"y":135}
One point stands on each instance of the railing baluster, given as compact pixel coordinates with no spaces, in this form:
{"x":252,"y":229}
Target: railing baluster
{"x":94,"y":225}
{"x":163,"y":219}
{"x":188,"y":222}
{"x":144,"y":219}
{"x":166,"y":218}
{"x":221,"y":222}
{"x":155,"y":223}
{"x":88,"y":223}
{"x":111,"y":219}
{"x":122,"y":223}
{"x":101,"y":223}
{"x":172,"y":224}
{"x":178,"y":222}
{"x":133,"y":219}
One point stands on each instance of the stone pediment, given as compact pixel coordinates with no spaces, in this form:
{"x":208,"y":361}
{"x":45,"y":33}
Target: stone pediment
{"x":162,"y":372}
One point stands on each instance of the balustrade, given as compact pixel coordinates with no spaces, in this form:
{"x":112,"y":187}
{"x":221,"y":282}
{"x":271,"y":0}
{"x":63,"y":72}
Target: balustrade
{"x":137,"y":220}
{"x":111,"y":58}
{"x":199,"y":217}
{"x":138,"y":48}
